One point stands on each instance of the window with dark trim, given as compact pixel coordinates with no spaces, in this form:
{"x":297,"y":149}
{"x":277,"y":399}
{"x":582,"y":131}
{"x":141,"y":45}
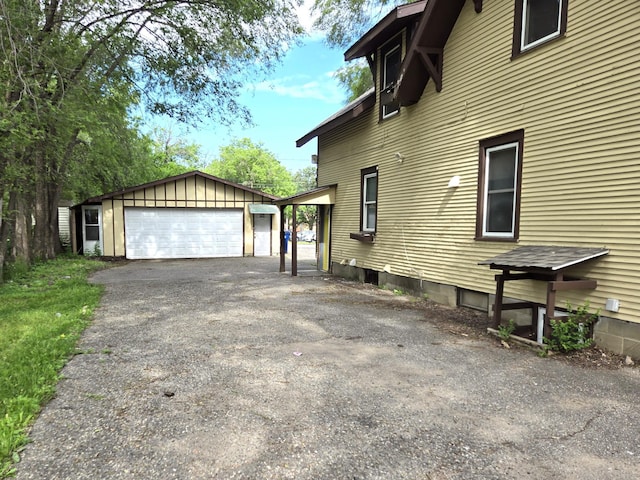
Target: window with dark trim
{"x":537,"y":22}
{"x":369,"y":199}
{"x":91,"y":223}
{"x":499,"y":178}
{"x":391,"y":59}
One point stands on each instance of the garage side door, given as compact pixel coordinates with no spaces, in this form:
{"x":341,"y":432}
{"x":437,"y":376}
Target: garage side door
{"x":183,"y":233}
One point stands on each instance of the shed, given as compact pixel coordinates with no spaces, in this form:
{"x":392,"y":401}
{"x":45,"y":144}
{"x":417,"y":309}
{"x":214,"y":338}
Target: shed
{"x":193,"y":215}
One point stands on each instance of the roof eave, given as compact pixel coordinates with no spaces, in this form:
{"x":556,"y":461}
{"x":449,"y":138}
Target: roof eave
{"x":433,"y":31}
{"x":350,"y":112}
{"x":386,"y":27}
{"x":106,"y":196}
{"x":327,"y":193}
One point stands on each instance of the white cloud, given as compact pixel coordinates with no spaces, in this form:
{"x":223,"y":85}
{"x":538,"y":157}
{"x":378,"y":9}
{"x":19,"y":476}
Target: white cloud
{"x":306,"y":18}
{"x":324,"y":88}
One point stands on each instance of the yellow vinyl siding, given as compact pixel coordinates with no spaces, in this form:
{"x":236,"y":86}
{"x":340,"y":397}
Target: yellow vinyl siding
{"x":107,"y":231}
{"x":118,"y":228}
{"x":578,"y":102}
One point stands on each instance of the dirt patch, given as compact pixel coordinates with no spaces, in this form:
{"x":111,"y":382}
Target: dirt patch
{"x":471,"y":323}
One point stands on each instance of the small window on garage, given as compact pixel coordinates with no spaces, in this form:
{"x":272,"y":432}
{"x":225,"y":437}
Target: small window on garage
{"x":91,"y":224}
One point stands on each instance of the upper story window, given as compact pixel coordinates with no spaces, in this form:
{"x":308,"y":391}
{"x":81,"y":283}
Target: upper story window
{"x":369,"y":203}
{"x":499,"y":178}
{"x":537,"y":22}
{"x":391,"y":59}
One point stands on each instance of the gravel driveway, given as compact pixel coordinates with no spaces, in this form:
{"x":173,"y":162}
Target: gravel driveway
{"x":225,"y":368}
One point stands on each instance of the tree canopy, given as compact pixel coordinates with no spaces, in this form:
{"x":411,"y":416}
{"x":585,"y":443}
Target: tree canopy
{"x":306,"y":179}
{"x":345,"y":21}
{"x":355,"y":78}
{"x":252,"y":165}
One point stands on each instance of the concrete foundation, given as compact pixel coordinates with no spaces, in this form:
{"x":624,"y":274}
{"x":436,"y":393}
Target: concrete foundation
{"x":618,"y":336}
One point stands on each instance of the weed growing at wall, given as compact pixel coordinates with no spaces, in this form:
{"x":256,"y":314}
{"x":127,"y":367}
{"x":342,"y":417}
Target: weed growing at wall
{"x":574,"y":332}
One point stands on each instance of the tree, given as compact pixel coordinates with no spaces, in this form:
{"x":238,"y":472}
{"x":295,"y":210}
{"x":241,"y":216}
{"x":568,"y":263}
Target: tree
{"x":250,"y":164}
{"x":306,"y":179}
{"x":64,"y":60}
{"x":355,"y":78}
{"x":173,"y":155}
{"x":345,"y":21}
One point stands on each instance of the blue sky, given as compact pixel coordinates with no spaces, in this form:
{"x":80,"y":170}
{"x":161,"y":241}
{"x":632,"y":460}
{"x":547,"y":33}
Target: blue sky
{"x":295,"y":98}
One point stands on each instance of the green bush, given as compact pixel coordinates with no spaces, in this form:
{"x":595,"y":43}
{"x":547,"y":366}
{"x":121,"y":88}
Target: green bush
{"x":574,"y":332}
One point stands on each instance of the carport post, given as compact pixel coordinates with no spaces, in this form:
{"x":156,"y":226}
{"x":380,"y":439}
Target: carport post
{"x":282,"y":238}
{"x":294,"y":243}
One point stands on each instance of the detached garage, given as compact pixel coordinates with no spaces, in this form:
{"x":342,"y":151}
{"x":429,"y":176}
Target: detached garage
{"x":194,"y":215}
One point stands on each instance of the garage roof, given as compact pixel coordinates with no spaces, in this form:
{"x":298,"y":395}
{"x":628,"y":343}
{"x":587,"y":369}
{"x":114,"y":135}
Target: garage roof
{"x":193,"y":173}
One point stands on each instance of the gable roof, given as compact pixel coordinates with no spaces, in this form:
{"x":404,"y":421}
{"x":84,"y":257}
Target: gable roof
{"x":194,"y":173}
{"x":390,"y":25}
{"x":353,"y":110}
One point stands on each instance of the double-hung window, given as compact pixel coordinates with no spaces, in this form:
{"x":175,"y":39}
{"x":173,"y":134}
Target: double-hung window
{"x":369,"y":202}
{"x":537,"y":22}
{"x":499,"y":176}
{"x":390,"y":70}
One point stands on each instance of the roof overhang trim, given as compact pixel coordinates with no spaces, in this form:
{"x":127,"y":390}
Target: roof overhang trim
{"x":348,"y":113}
{"x":194,"y":173}
{"x":384,"y":29}
{"x":318,"y":196}
{"x":432,"y":34}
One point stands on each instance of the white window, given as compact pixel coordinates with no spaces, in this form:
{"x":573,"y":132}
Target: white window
{"x":500,"y":175}
{"x":92,"y":230}
{"x":369,"y":199}
{"x":500,"y":190}
{"x":541,"y":21}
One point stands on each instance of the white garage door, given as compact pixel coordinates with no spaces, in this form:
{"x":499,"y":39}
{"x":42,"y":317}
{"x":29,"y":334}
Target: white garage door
{"x":182,"y":233}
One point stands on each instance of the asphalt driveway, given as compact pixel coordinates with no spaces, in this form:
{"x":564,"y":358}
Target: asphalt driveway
{"x":226,"y":368}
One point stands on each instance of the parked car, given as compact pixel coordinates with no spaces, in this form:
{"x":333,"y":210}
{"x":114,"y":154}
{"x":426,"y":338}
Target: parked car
{"x":306,"y":236}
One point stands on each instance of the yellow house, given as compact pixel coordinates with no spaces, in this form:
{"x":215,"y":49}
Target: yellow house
{"x":193,"y":215}
{"x":499,"y":134}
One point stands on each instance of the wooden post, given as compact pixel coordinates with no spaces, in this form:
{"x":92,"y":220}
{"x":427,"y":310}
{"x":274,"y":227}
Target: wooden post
{"x":551,"y":305}
{"x":497,"y":304}
{"x":282,"y":239}
{"x":294,"y":243}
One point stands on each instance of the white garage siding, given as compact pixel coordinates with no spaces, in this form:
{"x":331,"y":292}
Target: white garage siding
{"x":183,"y":233}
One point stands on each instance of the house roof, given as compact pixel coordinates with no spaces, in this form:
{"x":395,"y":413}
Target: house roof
{"x":548,"y":258}
{"x":353,"y":110}
{"x":318,"y":196}
{"x":430,"y":38}
{"x":390,"y":25}
{"x":194,"y":173}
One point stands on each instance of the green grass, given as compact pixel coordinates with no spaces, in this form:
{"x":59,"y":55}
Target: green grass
{"x":42,"y":313}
